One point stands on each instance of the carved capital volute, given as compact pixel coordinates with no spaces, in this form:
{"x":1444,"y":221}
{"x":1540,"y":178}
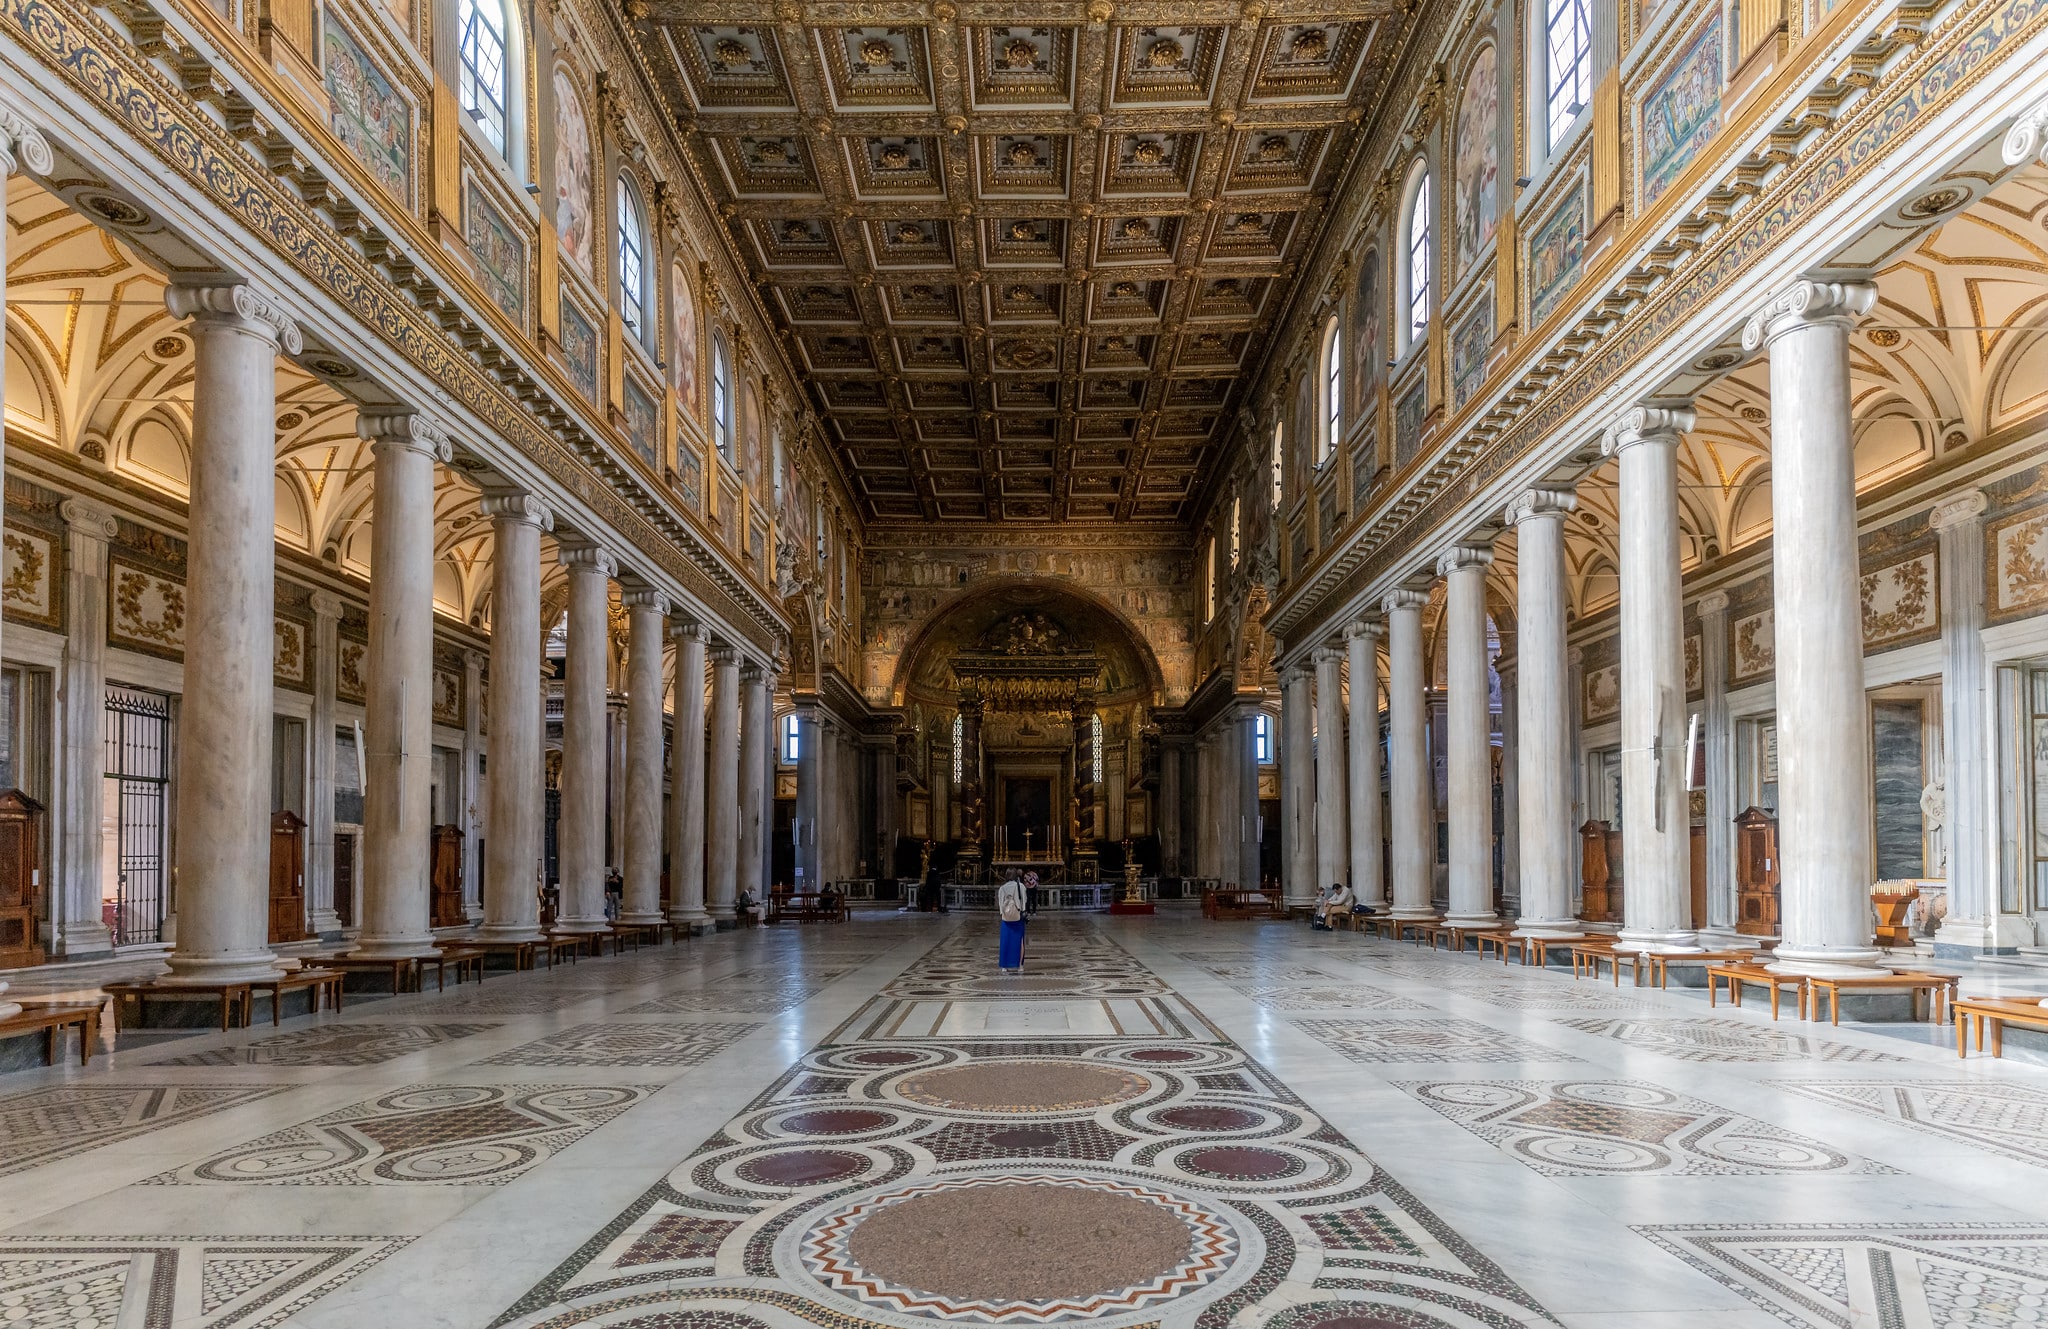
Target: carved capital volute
{"x":1804,"y":304}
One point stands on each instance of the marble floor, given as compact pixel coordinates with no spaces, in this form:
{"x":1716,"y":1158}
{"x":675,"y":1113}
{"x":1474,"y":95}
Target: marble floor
{"x":1162,"y":1122}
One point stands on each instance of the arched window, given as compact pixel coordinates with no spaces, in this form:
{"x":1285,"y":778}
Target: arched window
{"x":721,"y":398}
{"x":1421,"y":258}
{"x":631,"y":253}
{"x":1279,"y":464}
{"x":482,"y":48}
{"x":1095,"y":748}
{"x":1262,"y":738}
{"x":792,"y":741}
{"x":1568,"y":56}
{"x":1333,"y":391}
{"x":1236,"y":528}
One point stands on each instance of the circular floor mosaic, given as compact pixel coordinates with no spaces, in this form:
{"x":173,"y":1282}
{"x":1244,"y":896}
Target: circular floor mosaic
{"x":1020,"y":1248}
{"x":1021,"y":1086}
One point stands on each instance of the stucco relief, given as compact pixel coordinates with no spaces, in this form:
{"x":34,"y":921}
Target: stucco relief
{"x":27,"y":587}
{"x":149,"y":610}
{"x":1693,"y":676}
{"x":288,"y":652}
{"x":2020,"y":562}
{"x":349,"y":667}
{"x":447,"y":697}
{"x":1603,"y":693}
{"x":1756,"y":645}
{"x":1899,"y":600}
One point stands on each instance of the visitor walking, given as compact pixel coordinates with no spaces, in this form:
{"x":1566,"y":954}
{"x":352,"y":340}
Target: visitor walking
{"x":1011,"y":903}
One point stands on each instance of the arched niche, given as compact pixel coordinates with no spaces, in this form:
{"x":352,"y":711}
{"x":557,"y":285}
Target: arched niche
{"x":1130,"y":671}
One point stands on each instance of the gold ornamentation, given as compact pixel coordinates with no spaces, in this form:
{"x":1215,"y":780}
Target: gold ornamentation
{"x":1164,"y":53}
{"x":1019,"y":53}
{"x":1310,"y":45}
{"x":876,"y":53}
{"x":731,"y":51}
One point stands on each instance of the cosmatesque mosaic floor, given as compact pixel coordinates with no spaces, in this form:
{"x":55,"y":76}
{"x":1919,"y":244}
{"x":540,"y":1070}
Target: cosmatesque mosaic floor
{"x":1162,"y":1122}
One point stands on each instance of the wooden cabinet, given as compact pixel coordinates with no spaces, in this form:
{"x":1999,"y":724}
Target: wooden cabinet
{"x":1756,"y":873}
{"x":445,"y":874}
{"x":21,"y":892}
{"x":287,"y":877}
{"x":1599,"y":873}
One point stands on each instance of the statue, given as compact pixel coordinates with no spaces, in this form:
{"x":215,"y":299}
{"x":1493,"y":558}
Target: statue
{"x":1026,"y":634}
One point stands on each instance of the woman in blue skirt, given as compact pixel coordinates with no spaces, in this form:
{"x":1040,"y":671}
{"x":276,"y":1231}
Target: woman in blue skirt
{"x":1010,"y":905}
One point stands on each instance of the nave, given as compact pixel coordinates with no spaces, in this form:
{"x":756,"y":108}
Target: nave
{"x":1161,"y":1121}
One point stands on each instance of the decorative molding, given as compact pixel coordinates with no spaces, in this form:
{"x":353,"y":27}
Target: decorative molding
{"x":1647,"y":424}
{"x":2027,"y":138}
{"x":413,"y":430}
{"x":21,"y":143}
{"x":1958,"y":509}
{"x":1462,"y":556}
{"x":241,"y":303}
{"x":516,"y":505}
{"x":1804,"y":304}
{"x":1542,"y":501}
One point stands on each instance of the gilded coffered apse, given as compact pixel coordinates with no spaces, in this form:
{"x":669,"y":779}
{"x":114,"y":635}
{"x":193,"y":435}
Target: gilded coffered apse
{"x":1025,"y":256}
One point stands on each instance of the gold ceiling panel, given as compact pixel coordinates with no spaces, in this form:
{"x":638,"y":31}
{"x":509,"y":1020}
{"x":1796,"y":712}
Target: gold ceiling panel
{"x":1024,"y":255}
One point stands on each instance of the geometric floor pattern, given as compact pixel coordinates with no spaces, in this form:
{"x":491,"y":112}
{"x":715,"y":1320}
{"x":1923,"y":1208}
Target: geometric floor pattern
{"x":625,"y":1045}
{"x":437,"y":1134}
{"x":175,"y":1282}
{"x":1713,"y":1039}
{"x":1887,"y":1276}
{"x":1421,"y":1040}
{"x":1595,"y":1128}
{"x":332,"y":1045}
{"x":1328,"y":997}
{"x":40,"y":1126}
{"x":2010,"y":1119}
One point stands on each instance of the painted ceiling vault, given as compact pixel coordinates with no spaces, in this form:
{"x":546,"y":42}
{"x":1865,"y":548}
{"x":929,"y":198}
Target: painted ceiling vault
{"x":1024,"y":253}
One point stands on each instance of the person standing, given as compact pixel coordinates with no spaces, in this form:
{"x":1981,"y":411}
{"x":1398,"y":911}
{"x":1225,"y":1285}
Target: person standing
{"x":1011,"y":903}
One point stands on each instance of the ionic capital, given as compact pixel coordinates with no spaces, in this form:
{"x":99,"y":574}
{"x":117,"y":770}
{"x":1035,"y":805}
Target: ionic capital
{"x":1647,"y":424}
{"x":1805,"y":304}
{"x":587,"y":558}
{"x":1542,"y":501}
{"x":1364,"y":629}
{"x":1329,"y":653}
{"x":2027,"y":138}
{"x":85,"y":518}
{"x":326,"y":605}
{"x":22,"y":144}
{"x":516,"y":505}
{"x":413,"y":431}
{"x":723,"y":655}
{"x":1713,"y":602}
{"x":645,"y":597}
{"x":752,"y":674}
{"x":1459,"y":557}
{"x":689,"y":630}
{"x":1402,"y":599}
{"x":1958,"y":510}
{"x":240,"y":306}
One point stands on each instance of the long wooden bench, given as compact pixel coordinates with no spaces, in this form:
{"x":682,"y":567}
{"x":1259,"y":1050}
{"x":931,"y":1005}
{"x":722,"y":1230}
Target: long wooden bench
{"x":1736,"y":973}
{"x":325,"y":985}
{"x":1993,"y":1014}
{"x":233,"y":998}
{"x":1936,"y":986}
{"x":51,"y":1019}
{"x":805,"y":907}
{"x":1660,"y":962}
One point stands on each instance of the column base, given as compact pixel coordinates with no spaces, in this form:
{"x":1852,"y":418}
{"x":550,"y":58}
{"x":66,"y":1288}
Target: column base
{"x":324,"y":924}
{"x":647,"y":919}
{"x":1549,"y":929}
{"x":581,"y":925}
{"x":694,"y":922}
{"x":87,"y":939}
{"x":1470,"y":921}
{"x":1827,"y":961}
{"x":393,"y":948}
{"x":1967,"y":938}
{"x":209,"y":970}
{"x":1658,"y":943}
{"x":509,"y":932}
{"x":1412,"y":914}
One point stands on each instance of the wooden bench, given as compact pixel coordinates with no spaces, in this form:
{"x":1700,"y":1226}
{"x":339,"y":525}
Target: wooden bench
{"x":1738,"y":972}
{"x":1936,"y":986}
{"x":51,"y":1019}
{"x":464,"y":959}
{"x":1994,"y":1013}
{"x":523,"y":953}
{"x":572,"y":944}
{"x":1503,"y":941}
{"x":233,"y":998}
{"x":402,"y":971}
{"x":663,"y":931}
{"x":1661,"y":961}
{"x":1385,"y":925}
{"x":805,"y":907}
{"x":1587,"y":955}
{"x":325,"y":985}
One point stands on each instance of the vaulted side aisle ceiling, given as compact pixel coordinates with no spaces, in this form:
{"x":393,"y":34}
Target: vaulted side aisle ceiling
{"x":1023,"y":253}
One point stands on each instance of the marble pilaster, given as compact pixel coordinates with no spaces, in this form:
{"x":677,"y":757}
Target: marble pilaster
{"x":1972,"y":926}
{"x":1468,"y":743}
{"x":1719,"y":732}
{"x":1825,"y":779}
{"x":804,"y":829}
{"x":1333,"y":798}
{"x":223,"y":806}
{"x":1412,"y":831}
{"x":1239,"y":748}
{"x":646,"y":611}
{"x":580,"y":831}
{"x":321,"y":918}
{"x":756,"y":719}
{"x":1297,"y":788}
{"x":722,"y":789}
{"x":79,"y":931}
{"x":686,"y":796}
{"x":1368,"y":847}
{"x":1543,"y":746}
{"x":470,"y":785}
{"x":515,"y":783}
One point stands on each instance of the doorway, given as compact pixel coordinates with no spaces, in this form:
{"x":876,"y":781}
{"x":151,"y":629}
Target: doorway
{"x":134,"y":812}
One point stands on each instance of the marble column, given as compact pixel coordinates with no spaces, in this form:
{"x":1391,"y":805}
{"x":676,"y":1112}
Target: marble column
{"x":223,"y":804}
{"x":828,"y":800}
{"x":1333,"y":799}
{"x":1240,"y":747}
{"x":640,"y":901}
{"x":1719,"y":732}
{"x":1824,"y":776}
{"x":79,"y":931}
{"x":23,"y":145}
{"x":1413,"y":833}
{"x":686,"y":795}
{"x":1972,"y":925}
{"x":722,"y":789}
{"x":580,"y":832}
{"x":1368,"y":850}
{"x":1543,"y":740}
{"x":320,"y":915}
{"x":755,"y":721}
{"x":515,"y":787}
{"x":1205,"y":799}
{"x":398,"y":705}
{"x":1510,"y":792}
{"x":1166,"y":813}
{"x":1297,"y":789}
{"x":1468,"y":742}
{"x":804,"y":830}
{"x":474,"y":824}
{"x":1656,"y":828}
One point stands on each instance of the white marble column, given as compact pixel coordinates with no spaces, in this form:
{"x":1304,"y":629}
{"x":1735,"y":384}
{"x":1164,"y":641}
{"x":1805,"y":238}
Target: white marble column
{"x":1543,"y":746}
{"x":1656,"y":828}
{"x":223,"y":804}
{"x":755,"y":721}
{"x":516,"y":786}
{"x":398,"y":706}
{"x":1240,"y":748}
{"x":1972,"y":925}
{"x":1368,"y":850}
{"x":1510,"y":792}
{"x":827,"y":824}
{"x":645,"y":613}
{"x":471,"y":813}
{"x":1824,"y":776}
{"x":1719,"y":733}
{"x":23,"y":145}
{"x":1333,"y":798}
{"x":722,"y":788}
{"x":809,"y":806}
{"x":320,"y":916}
{"x":686,"y":794}
{"x":1297,"y":788}
{"x":580,"y":830}
{"x":1205,"y":799}
{"x":1413,"y":834}
{"x":1468,"y":740}
{"x":80,"y":931}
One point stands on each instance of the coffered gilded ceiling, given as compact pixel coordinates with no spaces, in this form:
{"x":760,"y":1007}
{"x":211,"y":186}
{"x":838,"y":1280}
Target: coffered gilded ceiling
{"x":1024,"y":253}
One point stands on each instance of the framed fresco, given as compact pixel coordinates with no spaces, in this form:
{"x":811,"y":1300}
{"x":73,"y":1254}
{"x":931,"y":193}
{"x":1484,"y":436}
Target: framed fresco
{"x":1478,"y":159}
{"x":1471,"y":343}
{"x":1557,"y":252}
{"x":573,"y":173}
{"x":1368,"y":331}
{"x":497,"y":252}
{"x":690,"y":474}
{"x":371,"y":117}
{"x":682,"y":350}
{"x":1365,"y":464}
{"x":643,"y":422}
{"x":1409,"y":414}
{"x":579,"y":346}
{"x":1681,"y":111}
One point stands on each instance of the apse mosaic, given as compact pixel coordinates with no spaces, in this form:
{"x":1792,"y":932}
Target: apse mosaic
{"x":1023,"y":1177}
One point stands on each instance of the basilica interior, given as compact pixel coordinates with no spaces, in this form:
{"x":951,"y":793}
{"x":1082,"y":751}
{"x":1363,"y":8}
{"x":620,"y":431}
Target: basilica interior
{"x":1024,"y":661}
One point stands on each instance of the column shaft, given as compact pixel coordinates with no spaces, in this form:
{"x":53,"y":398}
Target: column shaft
{"x":686,"y":793}
{"x":1543,"y":746}
{"x":1468,"y":747}
{"x":320,"y":916}
{"x":755,"y":713}
{"x":79,"y":929}
{"x":809,"y":738}
{"x":1240,"y":748}
{"x":1720,"y":738}
{"x":1368,"y":848}
{"x":580,"y":833}
{"x":722,"y":789}
{"x":1408,"y":757}
{"x":1971,"y":927}
{"x":1297,"y":789}
{"x":641,"y":900}
{"x":1333,"y":799}
{"x":514,"y":779}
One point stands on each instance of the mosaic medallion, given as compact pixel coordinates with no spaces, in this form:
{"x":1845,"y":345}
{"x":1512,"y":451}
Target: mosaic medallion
{"x":802,"y":1167}
{"x":836,"y":1121}
{"x":1023,"y":1248}
{"x":1021,"y":1087}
